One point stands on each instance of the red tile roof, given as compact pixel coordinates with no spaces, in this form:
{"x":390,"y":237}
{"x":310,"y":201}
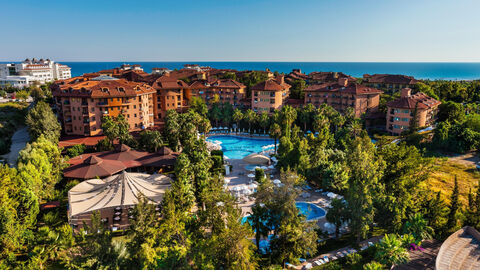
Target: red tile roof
{"x":168,"y":82}
{"x":423,"y":101}
{"x":104,"y":88}
{"x":390,"y":79}
{"x":270,"y":85}
{"x":351,"y":88}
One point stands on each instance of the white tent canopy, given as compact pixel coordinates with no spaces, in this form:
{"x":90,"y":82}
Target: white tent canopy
{"x":119,"y":190}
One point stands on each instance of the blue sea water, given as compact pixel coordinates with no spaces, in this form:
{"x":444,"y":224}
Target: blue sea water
{"x":433,"y":71}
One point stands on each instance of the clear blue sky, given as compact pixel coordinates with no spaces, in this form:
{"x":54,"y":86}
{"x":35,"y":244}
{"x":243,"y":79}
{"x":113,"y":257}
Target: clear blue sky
{"x":247,"y":30}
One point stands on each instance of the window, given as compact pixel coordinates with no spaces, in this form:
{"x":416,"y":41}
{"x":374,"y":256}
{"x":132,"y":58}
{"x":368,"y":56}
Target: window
{"x":134,"y":106}
{"x":93,"y":118}
{"x":93,"y":109}
{"x":405,"y":119}
{"x":134,"y":115}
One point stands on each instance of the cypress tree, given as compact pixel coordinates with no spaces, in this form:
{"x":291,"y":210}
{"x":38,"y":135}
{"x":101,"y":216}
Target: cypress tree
{"x":454,"y":207}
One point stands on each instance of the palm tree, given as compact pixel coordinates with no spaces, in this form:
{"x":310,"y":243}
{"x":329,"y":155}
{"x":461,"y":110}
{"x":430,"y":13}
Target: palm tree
{"x":337,"y":214}
{"x":215,"y":113}
{"x":373,"y":265}
{"x":306,"y":115}
{"x":263,"y":120}
{"x":418,"y":227}
{"x":289,"y":114}
{"x":250,"y":116}
{"x":275,"y":132}
{"x":258,"y":222}
{"x":237,"y":116}
{"x":390,"y":251}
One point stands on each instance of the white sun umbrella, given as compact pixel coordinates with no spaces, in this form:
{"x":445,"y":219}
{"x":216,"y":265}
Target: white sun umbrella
{"x":274,"y":159}
{"x":236,"y":188}
{"x":277,"y":181}
{"x":271,"y":167}
{"x":264,"y":168}
{"x":226,"y":181}
{"x":213,"y":128}
{"x":247,"y":192}
{"x":252,"y":186}
{"x":251,"y":175}
{"x":331,"y":195}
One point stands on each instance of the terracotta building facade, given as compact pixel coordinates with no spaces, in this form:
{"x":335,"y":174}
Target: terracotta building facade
{"x":270,"y":95}
{"x":82,"y":102}
{"x":342,"y":95}
{"x":408,"y":107}
{"x":227,"y":91}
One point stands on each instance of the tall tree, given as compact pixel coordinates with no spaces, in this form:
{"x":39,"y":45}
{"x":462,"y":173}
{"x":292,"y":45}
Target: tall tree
{"x":288,"y":116}
{"x":275,"y":132}
{"x":172,"y":129}
{"x":198,"y":105}
{"x":216,"y":113}
{"x":150,"y":140}
{"x":337,"y":214}
{"x":250,"y":117}
{"x":237,"y":117}
{"x":42,"y":121}
{"x":390,"y":251}
{"x":455,"y":206}
{"x":364,"y":171}
{"x":263,"y":120}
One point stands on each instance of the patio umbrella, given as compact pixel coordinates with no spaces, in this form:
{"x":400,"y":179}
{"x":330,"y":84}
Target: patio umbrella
{"x":271,"y":167}
{"x":251,"y":175}
{"x":252,"y":186}
{"x":93,"y":167}
{"x":256,"y":159}
{"x":277,"y":181}
{"x":264,"y":168}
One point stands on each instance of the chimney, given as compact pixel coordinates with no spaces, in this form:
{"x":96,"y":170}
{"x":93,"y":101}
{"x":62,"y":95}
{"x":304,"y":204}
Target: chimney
{"x":343,"y":81}
{"x":406,"y":92}
{"x":280,"y":79}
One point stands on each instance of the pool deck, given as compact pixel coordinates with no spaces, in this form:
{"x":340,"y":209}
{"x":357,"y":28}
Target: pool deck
{"x":238,"y":177}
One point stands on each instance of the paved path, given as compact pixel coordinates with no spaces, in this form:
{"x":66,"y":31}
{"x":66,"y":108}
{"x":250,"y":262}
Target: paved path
{"x":19,"y":140}
{"x":330,"y":254}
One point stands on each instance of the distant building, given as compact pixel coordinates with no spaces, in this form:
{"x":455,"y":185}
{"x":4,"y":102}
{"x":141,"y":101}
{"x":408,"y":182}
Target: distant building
{"x":82,"y":102}
{"x":318,"y":77}
{"x":227,"y":90}
{"x":32,"y":71}
{"x":270,"y":95}
{"x":400,"y":112}
{"x":344,"y":94}
{"x":391,"y":82}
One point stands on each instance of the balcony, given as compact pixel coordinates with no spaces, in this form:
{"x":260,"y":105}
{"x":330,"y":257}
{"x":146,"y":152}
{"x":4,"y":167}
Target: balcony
{"x":66,"y":102}
{"x":103,"y":103}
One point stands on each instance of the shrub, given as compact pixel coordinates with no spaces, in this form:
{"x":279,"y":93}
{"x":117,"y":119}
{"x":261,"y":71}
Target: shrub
{"x":353,"y":258}
{"x":104,"y":145}
{"x":217,"y":162}
{"x":76,"y":150}
{"x":259,"y":175}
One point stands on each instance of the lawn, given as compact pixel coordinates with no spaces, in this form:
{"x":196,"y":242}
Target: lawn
{"x":443,"y":177}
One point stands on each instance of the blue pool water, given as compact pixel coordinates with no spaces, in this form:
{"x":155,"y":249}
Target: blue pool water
{"x":310,"y":210}
{"x":235,"y":147}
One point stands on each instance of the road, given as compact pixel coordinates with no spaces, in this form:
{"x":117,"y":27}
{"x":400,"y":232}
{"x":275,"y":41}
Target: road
{"x":19,"y":141}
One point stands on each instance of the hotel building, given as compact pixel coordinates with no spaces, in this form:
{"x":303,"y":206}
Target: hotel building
{"x":32,"y":71}
{"x":270,"y":95}
{"x":342,"y":95}
{"x":170,"y":94}
{"x":227,"y":90}
{"x":389,"y":82}
{"x":82,"y":102}
{"x":401,"y":112}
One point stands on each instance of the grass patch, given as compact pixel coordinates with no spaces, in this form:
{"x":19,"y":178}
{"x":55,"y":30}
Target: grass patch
{"x":443,"y":177}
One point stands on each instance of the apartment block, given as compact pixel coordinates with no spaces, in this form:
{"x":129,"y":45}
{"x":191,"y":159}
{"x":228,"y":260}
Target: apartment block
{"x":227,"y":90}
{"x":82,"y":102}
{"x":344,"y":94}
{"x":390,"y":82}
{"x":401,"y":112}
{"x":270,"y":95}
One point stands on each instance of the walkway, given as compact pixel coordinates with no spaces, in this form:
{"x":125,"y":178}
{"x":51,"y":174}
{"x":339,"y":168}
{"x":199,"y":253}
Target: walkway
{"x":19,"y":141}
{"x":333,"y":255}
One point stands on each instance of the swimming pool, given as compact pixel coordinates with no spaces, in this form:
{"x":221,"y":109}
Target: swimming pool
{"x":235,"y":147}
{"x":310,"y":210}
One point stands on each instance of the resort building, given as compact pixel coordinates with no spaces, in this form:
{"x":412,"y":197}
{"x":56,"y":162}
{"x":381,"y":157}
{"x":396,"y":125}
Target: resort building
{"x":114,"y":198}
{"x":342,"y":95}
{"x":82,"y":102}
{"x":170,"y":94}
{"x":389,"y":82}
{"x":227,"y":90}
{"x":33,"y":71}
{"x":319,"y":77}
{"x":270,"y":95}
{"x":401,"y":112}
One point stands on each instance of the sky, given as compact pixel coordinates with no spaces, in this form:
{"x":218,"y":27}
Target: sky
{"x":244,"y":30}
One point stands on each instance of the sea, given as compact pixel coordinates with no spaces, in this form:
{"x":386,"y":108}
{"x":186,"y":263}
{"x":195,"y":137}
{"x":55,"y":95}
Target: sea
{"x":420,"y":70}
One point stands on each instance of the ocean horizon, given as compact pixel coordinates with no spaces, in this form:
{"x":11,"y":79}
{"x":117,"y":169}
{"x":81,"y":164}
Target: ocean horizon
{"x":419,"y":70}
